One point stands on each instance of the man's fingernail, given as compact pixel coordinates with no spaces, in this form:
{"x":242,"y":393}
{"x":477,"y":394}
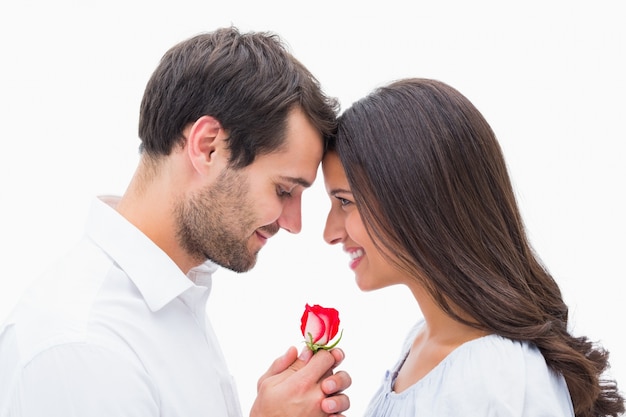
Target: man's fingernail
{"x":330,"y":385}
{"x":331,"y":405}
{"x":305,"y":354}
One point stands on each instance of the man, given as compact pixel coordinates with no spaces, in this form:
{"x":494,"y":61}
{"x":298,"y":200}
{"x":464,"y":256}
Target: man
{"x":232,"y":130}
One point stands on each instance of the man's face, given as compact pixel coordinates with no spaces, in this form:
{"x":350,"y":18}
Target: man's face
{"x":230,"y":220}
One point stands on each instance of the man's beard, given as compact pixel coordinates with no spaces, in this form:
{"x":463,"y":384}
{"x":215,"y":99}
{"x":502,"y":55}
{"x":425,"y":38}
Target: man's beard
{"x":216,"y":223}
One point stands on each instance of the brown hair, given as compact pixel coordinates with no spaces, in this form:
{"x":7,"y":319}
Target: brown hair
{"x":431,"y":183}
{"x":249,"y":82}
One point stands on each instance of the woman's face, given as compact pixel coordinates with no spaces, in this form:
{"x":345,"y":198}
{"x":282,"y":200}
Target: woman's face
{"x":344,"y":225}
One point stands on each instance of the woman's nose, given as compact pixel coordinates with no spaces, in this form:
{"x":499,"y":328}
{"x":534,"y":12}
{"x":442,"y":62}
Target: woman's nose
{"x":334,"y":231}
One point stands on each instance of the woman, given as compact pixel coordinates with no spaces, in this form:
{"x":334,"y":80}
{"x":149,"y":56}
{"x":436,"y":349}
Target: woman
{"x":425,"y":201}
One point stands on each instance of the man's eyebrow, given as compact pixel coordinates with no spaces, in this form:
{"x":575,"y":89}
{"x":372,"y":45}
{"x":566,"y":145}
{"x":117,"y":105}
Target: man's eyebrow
{"x":296,"y":180}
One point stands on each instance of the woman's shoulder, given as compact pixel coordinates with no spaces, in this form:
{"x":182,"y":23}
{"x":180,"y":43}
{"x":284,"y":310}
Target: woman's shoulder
{"x":497,"y":371}
{"x":487,"y":355}
{"x":490,"y":375}
{"x":496,"y":349}
{"x":494,"y":358}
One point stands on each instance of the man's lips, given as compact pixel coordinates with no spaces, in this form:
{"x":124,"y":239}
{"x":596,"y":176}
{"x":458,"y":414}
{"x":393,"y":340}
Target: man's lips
{"x":265,"y":232}
{"x":263,"y":236}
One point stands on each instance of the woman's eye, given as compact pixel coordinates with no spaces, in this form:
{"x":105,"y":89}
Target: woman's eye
{"x":344,"y":202}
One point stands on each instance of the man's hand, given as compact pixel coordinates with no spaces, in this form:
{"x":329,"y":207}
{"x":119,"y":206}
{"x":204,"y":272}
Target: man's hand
{"x":303,"y":387}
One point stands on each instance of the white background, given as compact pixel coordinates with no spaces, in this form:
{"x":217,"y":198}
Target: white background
{"x":547,"y":75}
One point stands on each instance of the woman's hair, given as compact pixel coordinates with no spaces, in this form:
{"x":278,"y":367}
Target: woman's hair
{"x":249,"y":82}
{"x":431,"y":183}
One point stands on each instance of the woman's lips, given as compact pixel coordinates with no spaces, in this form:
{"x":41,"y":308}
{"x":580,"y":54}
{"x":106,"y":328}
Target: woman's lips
{"x":355,"y":257}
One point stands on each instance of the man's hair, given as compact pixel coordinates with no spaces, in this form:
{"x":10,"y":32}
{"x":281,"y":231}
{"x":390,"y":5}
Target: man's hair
{"x":249,"y":82}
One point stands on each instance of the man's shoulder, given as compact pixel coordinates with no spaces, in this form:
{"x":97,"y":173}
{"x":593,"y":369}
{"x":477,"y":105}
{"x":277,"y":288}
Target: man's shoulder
{"x":57,"y":307}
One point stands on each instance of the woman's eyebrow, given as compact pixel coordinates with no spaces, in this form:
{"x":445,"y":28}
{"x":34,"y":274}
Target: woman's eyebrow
{"x":336,"y":191}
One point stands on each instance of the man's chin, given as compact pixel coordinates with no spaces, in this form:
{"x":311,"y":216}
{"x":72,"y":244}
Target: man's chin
{"x":237,"y":266}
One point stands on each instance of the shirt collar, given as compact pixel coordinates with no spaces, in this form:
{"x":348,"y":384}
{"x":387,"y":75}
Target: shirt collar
{"x":157,"y":277}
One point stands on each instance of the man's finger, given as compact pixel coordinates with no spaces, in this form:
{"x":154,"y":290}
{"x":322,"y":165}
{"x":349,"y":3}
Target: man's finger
{"x":337,"y":382}
{"x":317,"y":367}
{"x":279,"y":365}
{"x":338,"y":355}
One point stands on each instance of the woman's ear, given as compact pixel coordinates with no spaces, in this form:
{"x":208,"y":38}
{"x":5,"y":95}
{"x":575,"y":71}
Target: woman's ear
{"x":206,"y":143}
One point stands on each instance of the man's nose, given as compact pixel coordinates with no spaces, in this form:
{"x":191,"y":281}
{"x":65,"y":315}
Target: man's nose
{"x":291,"y":217}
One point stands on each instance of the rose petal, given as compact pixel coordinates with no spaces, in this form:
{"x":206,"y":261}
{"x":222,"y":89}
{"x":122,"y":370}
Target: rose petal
{"x":317,"y":328}
{"x":321,"y":323}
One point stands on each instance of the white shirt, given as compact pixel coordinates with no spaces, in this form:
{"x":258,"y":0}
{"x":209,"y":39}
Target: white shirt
{"x":115,"y":329}
{"x":491,"y":376}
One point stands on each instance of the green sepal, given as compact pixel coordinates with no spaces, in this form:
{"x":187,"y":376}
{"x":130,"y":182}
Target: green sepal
{"x":315,"y":347}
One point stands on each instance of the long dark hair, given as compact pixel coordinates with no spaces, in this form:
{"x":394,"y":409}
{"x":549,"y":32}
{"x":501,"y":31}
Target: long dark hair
{"x":431,"y":183}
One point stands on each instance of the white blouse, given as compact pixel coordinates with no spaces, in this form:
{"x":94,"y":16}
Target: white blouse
{"x":488,"y":376}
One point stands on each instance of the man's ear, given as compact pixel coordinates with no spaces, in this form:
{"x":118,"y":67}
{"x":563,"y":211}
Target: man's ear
{"x":205,"y":143}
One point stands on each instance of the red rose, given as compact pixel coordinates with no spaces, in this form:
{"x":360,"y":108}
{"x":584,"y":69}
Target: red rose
{"x":319,"y":326}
